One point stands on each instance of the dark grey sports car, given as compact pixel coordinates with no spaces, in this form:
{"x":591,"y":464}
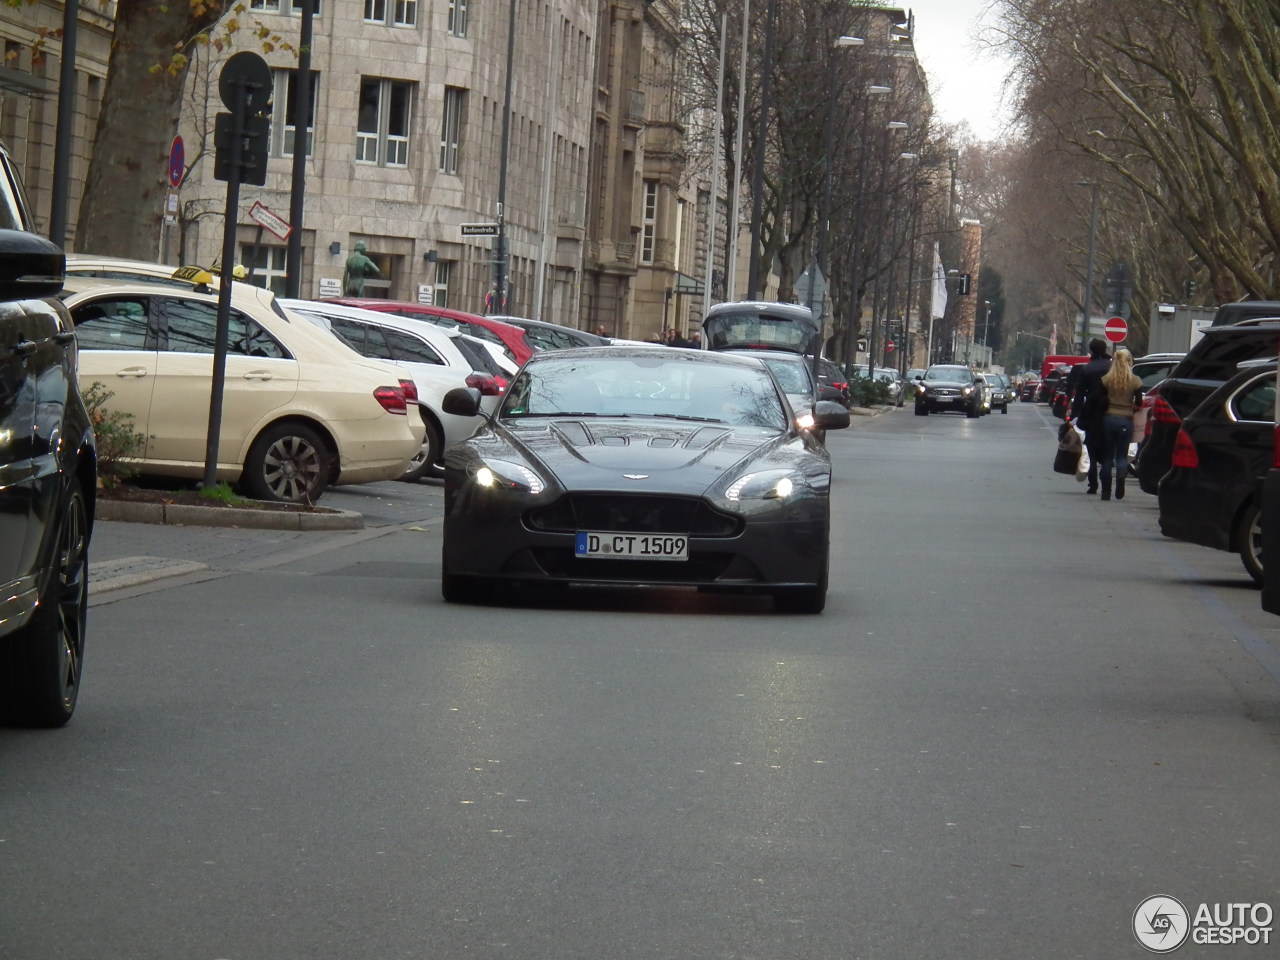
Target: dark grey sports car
{"x":640,"y":466}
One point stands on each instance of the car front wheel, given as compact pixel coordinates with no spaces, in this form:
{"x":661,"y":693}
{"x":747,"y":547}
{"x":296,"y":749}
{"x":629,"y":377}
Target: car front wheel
{"x":43,"y":659}
{"x":288,"y":463}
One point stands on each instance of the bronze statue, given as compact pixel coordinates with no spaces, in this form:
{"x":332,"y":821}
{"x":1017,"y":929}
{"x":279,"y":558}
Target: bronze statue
{"x":358,"y":267}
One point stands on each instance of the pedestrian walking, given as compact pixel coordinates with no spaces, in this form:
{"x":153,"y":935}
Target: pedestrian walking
{"x":1123,"y":394}
{"x":1086,"y":407}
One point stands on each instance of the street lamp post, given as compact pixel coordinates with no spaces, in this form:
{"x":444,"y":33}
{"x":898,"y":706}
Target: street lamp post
{"x":986,"y":317}
{"x":757,"y":172}
{"x":500,"y":259}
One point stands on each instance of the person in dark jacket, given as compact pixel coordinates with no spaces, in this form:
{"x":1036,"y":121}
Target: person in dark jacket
{"x":1083,"y":383}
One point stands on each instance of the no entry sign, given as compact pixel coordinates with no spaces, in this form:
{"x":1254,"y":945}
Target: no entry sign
{"x":1115,"y":329}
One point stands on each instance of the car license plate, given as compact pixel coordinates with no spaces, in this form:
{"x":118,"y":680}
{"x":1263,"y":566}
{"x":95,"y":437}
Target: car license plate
{"x":632,"y":546}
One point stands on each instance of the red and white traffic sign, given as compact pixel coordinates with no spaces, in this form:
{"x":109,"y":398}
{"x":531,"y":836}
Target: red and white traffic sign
{"x":276,"y":224}
{"x":1115,"y":329}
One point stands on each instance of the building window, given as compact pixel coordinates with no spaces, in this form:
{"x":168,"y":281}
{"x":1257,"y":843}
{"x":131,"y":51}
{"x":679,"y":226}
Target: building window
{"x":284,"y":112}
{"x":290,"y":7}
{"x":649,"y":228}
{"x":397,"y":13}
{"x":382,"y":133}
{"x":266,"y":265}
{"x":458,"y":18}
{"x":443,"y":269}
{"x":451,"y":128}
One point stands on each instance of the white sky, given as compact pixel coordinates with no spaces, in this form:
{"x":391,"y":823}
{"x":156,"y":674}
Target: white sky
{"x":963,"y":79}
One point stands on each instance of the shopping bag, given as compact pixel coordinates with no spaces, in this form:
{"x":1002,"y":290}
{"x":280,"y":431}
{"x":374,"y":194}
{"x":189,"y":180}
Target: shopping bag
{"x":1069,"y":449}
{"x":1082,"y":465}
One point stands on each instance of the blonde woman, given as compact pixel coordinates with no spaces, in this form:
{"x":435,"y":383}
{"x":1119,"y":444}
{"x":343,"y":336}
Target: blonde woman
{"x":1122,"y":395}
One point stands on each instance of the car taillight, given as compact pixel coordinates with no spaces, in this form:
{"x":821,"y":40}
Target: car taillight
{"x":840,"y":385}
{"x":1161,"y":412}
{"x":1184,"y":451}
{"x":410,"y":391}
{"x":391,"y":399}
{"x":488,"y":386}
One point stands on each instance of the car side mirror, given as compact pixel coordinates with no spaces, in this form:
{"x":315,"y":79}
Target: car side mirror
{"x":829,"y":415}
{"x":30,"y":266}
{"x":461,"y":402}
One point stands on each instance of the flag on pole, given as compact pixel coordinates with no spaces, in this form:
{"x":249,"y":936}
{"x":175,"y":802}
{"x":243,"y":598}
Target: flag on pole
{"x":939,"y":307}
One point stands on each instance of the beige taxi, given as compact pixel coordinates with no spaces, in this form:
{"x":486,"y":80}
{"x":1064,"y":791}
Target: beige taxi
{"x":300,"y":411}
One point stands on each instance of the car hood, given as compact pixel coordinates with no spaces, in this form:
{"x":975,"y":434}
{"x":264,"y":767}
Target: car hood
{"x":634,"y":455}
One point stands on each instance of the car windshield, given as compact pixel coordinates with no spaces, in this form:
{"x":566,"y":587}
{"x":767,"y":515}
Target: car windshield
{"x":951,"y":374}
{"x":792,"y":376}
{"x":644,"y":385}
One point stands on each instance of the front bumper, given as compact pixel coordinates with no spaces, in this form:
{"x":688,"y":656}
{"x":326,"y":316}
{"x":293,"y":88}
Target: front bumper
{"x":788,"y":551}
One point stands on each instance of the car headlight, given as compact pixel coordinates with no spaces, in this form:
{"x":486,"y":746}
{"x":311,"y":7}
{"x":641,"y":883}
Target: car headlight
{"x":507,"y":476}
{"x":966,"y":390}
{"x":766,"y":485}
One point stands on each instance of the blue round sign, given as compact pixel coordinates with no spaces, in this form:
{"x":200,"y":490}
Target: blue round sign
{"x":177,"y":162}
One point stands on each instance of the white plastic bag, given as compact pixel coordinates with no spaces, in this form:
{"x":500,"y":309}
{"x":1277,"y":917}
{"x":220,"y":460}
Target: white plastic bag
{"x":1082,"y":468}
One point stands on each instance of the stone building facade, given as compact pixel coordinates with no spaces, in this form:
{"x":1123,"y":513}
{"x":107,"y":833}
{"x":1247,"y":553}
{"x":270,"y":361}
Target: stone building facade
{"x":404,"y":150}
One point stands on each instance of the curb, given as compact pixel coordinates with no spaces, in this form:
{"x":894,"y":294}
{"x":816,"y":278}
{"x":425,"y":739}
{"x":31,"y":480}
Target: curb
{"x":187,"y":515}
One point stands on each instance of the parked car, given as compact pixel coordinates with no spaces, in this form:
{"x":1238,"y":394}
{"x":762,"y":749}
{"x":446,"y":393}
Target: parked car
{"x":1229,"y":313}
{"x":1001,"y":391}
{"x":1211,"y":362}
{"x":48,"y":477}
{"x":794,"y":374}
{"x":435,"y":358}
{"x":513,"y":341}
{"x":830,"y":375}
{"x":1223,"y":448}
{"x":761,"y":325}
{"x":670,"y":467}
{"x":552,"y":336}
{"x":1030,"y":387}
{"x":891,"y":376}
{"x":300,"y":410}
{"x":947,"y":386}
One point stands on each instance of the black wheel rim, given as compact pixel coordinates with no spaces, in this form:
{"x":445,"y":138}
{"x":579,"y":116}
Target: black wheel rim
{"x":72,"y":584}
{"x":292,"y":468}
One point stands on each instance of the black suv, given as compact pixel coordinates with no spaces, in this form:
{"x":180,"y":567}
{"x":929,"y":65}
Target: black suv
{"x":1210,"y":363}
{"x":48,"y":477}
{"x":946,"y":386}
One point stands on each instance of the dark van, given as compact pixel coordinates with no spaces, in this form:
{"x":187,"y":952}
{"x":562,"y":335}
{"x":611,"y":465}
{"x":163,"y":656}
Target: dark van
{"x":1231,"y":313}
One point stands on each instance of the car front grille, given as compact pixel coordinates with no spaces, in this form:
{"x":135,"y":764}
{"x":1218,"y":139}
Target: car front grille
{"x":633,"y":514}
{"x":699,"y":568}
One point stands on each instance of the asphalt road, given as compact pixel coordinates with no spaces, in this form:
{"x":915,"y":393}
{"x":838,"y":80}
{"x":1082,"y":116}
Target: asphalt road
{"x":1023,"y":713}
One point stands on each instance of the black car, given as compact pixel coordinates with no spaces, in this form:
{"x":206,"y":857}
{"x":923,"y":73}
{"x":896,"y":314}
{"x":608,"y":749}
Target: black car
{"x":1001,"y":391}
{"x":1211,"y":362}
{"x":640,"y":466}
{"x":947,"y":386}
{"x":1223,"y":448}
{"x":48,"y":478}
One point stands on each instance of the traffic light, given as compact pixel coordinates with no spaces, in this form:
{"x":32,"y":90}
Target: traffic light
{"x":966,"y":283}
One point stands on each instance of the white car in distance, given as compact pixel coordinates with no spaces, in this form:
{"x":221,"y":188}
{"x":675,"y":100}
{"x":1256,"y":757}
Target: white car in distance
{"x":437,"y":359}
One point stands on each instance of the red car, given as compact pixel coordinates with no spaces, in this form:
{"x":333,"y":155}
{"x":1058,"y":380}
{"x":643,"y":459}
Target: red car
{"x":511,"y":338}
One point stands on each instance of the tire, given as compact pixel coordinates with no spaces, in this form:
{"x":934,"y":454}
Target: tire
{"x":1249,"y":540}
{"x":423,"y":463}
{"x":456,"y":588}
{"x":288,"y":463}
{"x":43,"y":660}
{"x":1004,"y":409}
{"x":973,"y":412}
{"x":804,"y":600}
